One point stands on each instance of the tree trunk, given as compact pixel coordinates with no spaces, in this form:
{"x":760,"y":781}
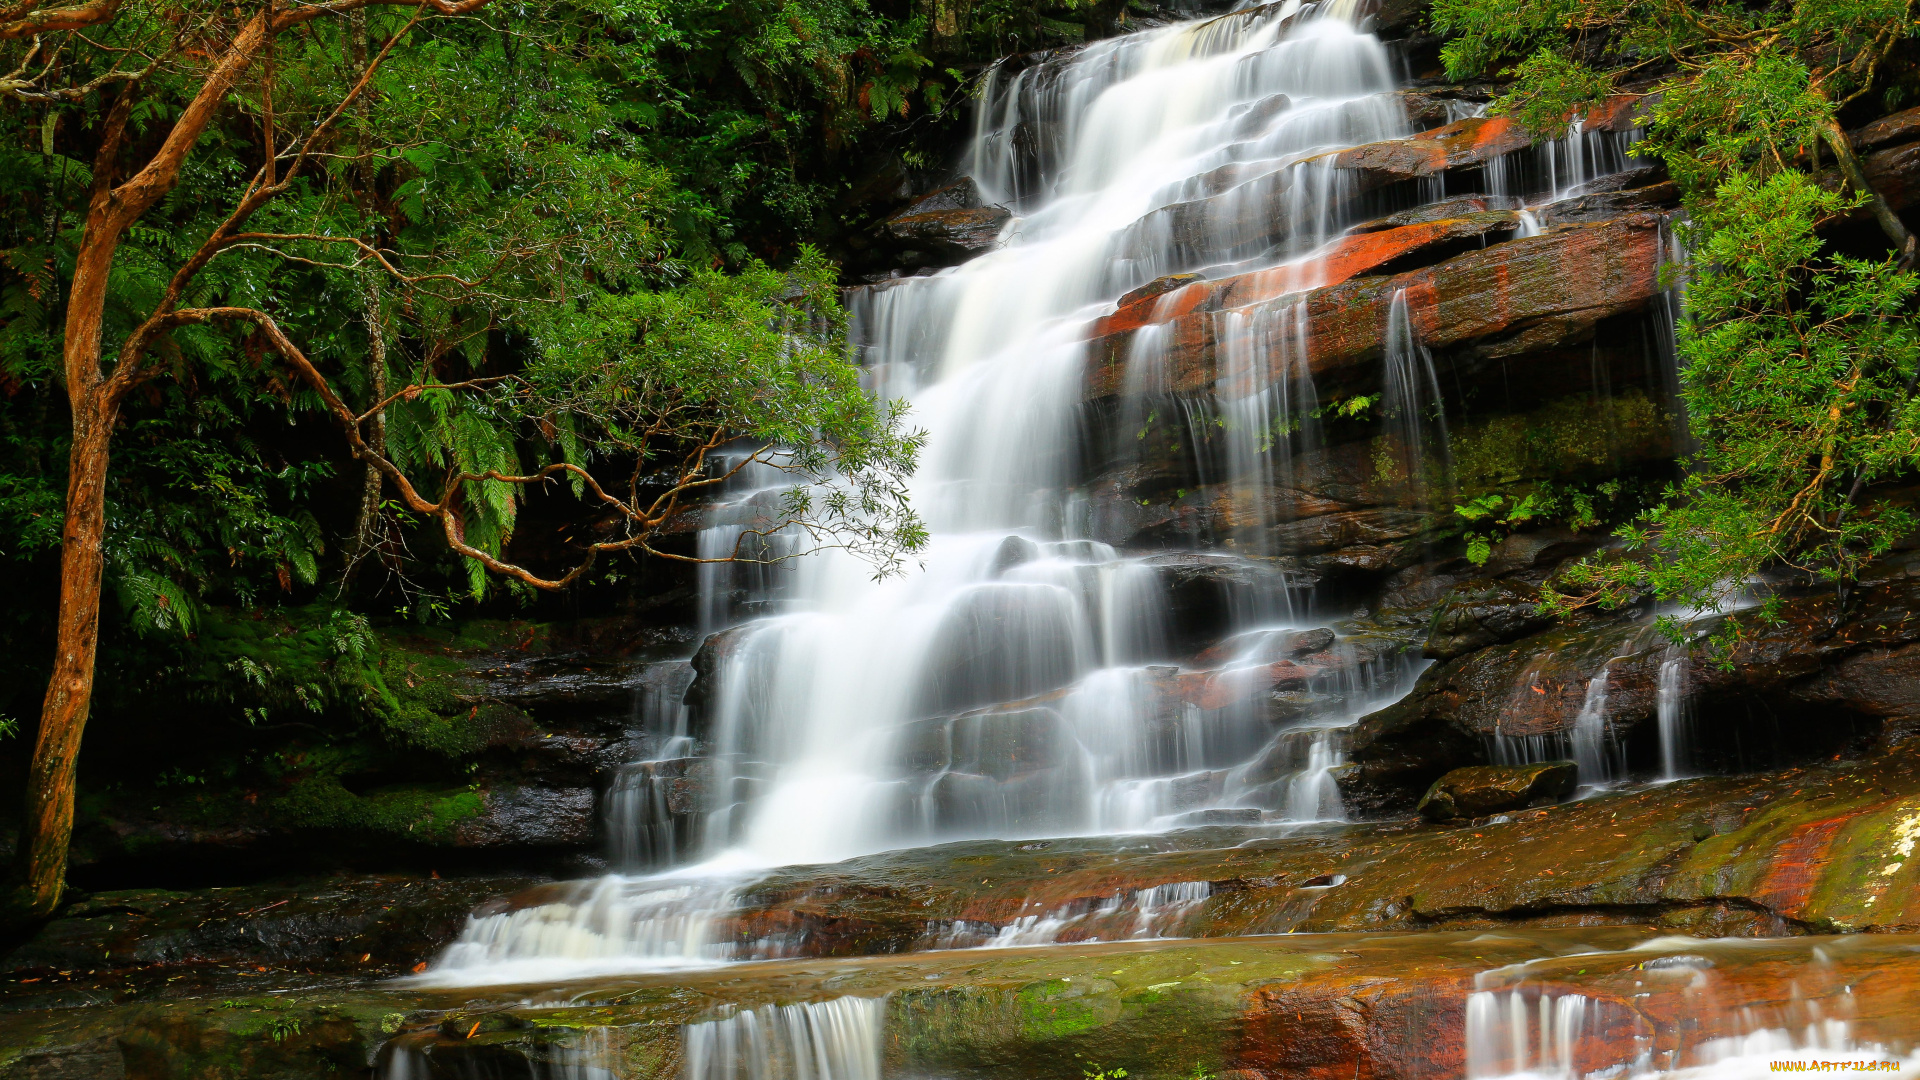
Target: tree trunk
{"x":50,"y":783}
{"x":1856,"y":175}
{"x":95,"y":403}
{"x":366,"y":531}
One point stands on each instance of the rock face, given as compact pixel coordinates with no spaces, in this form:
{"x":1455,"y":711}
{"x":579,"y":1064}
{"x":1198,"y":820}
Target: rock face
{"x":369,"y":927}
{"x":1512,"y":298}
{"x":1860,"y":676}
{"x":1478,"y":790}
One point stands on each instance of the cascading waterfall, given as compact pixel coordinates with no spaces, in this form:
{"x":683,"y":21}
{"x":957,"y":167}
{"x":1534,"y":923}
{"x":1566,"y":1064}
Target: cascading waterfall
{"x":1031,"y":679}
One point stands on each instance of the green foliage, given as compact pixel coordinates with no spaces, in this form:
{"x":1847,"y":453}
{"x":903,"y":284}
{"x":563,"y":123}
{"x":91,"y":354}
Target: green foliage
{"x":424,"y":816}
{"x":1740,"y":85}
{"x":1800,"y":368}
{"x":754,"y":356}
{"x":1798,"y":363}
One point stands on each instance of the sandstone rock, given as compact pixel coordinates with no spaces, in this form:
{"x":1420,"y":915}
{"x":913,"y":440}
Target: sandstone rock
{"x":1366,"y":251}
{"x":1458,"y":206}
{"x":707,"y":662}
{"x":1483,"y":613}
{"x":962,"y":194}
{"x":1471,"y":142}
{"x":1605,"y":205}
{"x":1204,"y":591}
{"x":1823,"y":686}
{"x":1524,"y":294}
{"x":1479,"y":790}
{"x":1256,"y":117}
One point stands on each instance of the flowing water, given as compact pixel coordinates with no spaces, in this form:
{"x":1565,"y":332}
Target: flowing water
{"x":1031,"y":678}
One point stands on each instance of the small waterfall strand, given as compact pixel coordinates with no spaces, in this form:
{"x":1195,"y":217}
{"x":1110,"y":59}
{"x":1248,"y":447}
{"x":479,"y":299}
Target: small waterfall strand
{"x":824,"y":1040}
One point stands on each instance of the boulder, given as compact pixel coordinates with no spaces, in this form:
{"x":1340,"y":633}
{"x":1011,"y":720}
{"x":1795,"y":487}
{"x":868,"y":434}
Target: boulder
{"x":949,"y":224}
{"x":707,"y":663}
{"x":1205,"y":593}
{"x":1479,"y":790}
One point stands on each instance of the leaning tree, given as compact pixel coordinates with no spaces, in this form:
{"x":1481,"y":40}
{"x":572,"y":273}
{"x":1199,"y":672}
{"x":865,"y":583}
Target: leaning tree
{"x":248,"y":166}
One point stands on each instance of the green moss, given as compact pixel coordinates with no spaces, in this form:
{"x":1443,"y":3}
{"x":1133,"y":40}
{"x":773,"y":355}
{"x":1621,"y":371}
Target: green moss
{"x":1057,"y":1008}
{"x":427,"y":816}
{"x":1566,"y":438}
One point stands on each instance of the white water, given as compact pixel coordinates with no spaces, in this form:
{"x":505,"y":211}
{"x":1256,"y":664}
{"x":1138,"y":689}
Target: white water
{"x":1030,"y":679}
{"x":825,"y":1040}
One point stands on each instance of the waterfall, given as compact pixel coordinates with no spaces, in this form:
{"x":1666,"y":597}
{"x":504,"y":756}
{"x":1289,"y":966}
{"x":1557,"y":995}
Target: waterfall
{"x":1068,"y":658}
{"x":1416,"y":413}
{"x":1593,"y":742}
{"x":1142,"y":914}
{"x":826,"y":1040}
{"x":1672,"y":712}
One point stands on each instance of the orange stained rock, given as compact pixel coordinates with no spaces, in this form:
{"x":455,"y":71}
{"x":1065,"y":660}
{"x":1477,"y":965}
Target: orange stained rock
{"x":1345,"y":258}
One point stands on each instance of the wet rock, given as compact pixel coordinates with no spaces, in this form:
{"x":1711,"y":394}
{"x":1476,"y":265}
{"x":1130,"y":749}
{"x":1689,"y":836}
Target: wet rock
{"x":951,"y":223}
{"x":1013,"y":551}
{"x":1205,"y":592}
{"x":1795,"y":852}
{"x":1384,"y":1006}
{"x":1520,"y":296}
{"x":1268,"y":645}
{"x":1327,"y":532}
{"x":1467,"y":143}
{"x":1479,"y":790}
{"x":530,"y":817}
{"x":1642,"y":176}
{"x":1791,"y":691}
{"x":1256,"y":117}
{"x":1483,"y":613}
{"x":1895,"y":174}
{"x":999,"y":642}
{"x":1602,"y":206}
{"x":707,"y":663}
{"x":1437,"y":106}
{"x":375,"y":926}
{"x":1384,"y":250}
{"x":1457,"y":207}
{"x":962,"y":194}
{"x":1900,"y":127}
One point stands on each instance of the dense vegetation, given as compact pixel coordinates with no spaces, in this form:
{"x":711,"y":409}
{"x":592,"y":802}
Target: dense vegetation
{"x":314,"y":302}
